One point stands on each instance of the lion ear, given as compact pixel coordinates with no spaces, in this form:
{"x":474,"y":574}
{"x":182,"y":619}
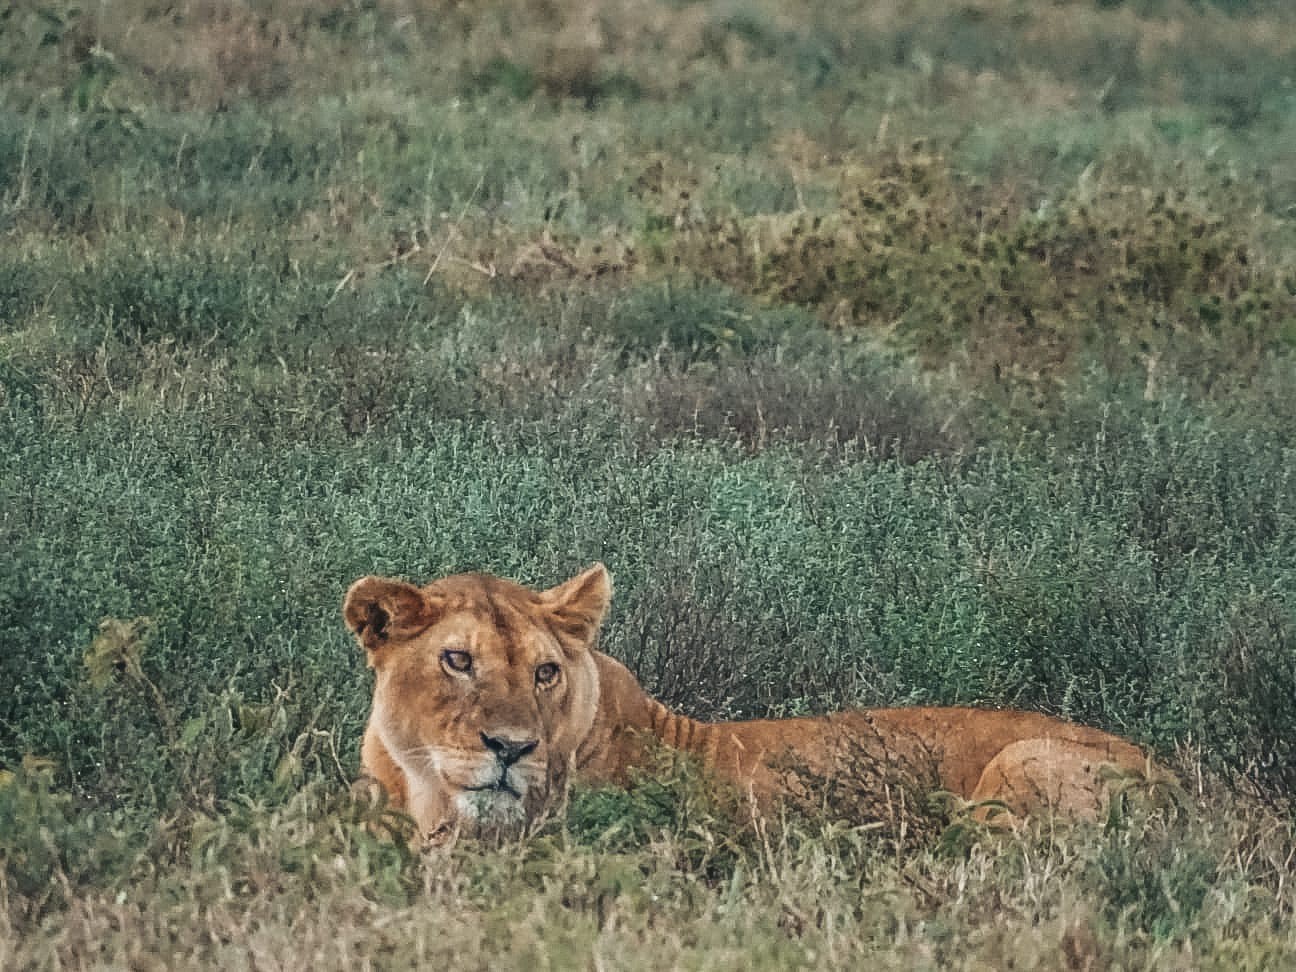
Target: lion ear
{"x":378,"y":609}
{"x":578,"y":605}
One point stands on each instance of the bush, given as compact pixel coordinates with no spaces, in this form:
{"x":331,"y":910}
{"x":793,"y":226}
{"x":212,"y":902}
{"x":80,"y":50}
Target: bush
{"x":1135,"y":281}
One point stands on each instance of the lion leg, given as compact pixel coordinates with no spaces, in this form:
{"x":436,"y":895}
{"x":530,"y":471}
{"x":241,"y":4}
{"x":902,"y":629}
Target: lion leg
{"x":378,"y":767}
{"x":1057,"y":775}
{"x":425,"y":805}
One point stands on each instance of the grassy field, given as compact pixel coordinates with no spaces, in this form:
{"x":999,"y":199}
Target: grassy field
{"x":887,"y":353}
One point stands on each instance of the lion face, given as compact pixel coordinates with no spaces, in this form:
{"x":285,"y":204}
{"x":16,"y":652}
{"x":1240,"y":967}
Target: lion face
{"x":484,"y":689}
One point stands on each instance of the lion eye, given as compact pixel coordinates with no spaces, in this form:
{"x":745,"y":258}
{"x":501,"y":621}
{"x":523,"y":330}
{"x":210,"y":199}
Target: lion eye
{"x":546,"y":674}
{"x":457,"y":661}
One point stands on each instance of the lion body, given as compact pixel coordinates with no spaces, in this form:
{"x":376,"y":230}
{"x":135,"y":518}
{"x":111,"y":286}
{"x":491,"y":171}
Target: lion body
{"x":489,"y":745}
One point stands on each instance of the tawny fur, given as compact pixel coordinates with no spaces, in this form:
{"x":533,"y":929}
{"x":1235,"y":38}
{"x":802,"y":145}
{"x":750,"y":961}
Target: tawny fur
{"x":435,"y":732}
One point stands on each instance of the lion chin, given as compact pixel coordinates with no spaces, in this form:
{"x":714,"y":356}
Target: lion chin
{"x":491,"y":808}
{"x":498,"y":801}
{"x":488,"y":696}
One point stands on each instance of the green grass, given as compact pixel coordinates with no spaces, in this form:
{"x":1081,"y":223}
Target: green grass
{"x":900,"y":355}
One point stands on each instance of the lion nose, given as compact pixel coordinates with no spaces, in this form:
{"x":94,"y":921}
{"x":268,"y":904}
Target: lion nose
{"x":509,"y":751}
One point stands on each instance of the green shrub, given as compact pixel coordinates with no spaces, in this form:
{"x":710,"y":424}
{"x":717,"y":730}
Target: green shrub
{"x":700,"y":322}
{"x":1134,"y":281}
{"x":22,"y":288}
{"x":671,"y":796}
{"x":49,"y":846}
{"x":193,"y":298}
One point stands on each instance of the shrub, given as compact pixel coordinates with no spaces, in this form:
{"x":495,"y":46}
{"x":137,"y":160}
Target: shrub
{"x":1138,"y":282}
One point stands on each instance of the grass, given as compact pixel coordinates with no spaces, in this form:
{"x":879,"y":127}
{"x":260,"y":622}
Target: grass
{"x":942,"y":356}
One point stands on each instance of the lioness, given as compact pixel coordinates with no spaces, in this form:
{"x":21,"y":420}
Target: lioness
{"x":488,"y":695}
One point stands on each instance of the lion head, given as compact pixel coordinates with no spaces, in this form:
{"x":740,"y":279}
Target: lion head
{"x":484,"y":690}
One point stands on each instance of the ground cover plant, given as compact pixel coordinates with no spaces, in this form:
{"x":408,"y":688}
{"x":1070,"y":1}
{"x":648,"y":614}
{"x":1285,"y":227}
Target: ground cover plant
{"x":888,"y":353}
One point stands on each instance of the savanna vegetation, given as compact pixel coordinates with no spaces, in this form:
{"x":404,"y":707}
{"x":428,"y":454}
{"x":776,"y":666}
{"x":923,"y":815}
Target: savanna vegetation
{"x":899,"y":352}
